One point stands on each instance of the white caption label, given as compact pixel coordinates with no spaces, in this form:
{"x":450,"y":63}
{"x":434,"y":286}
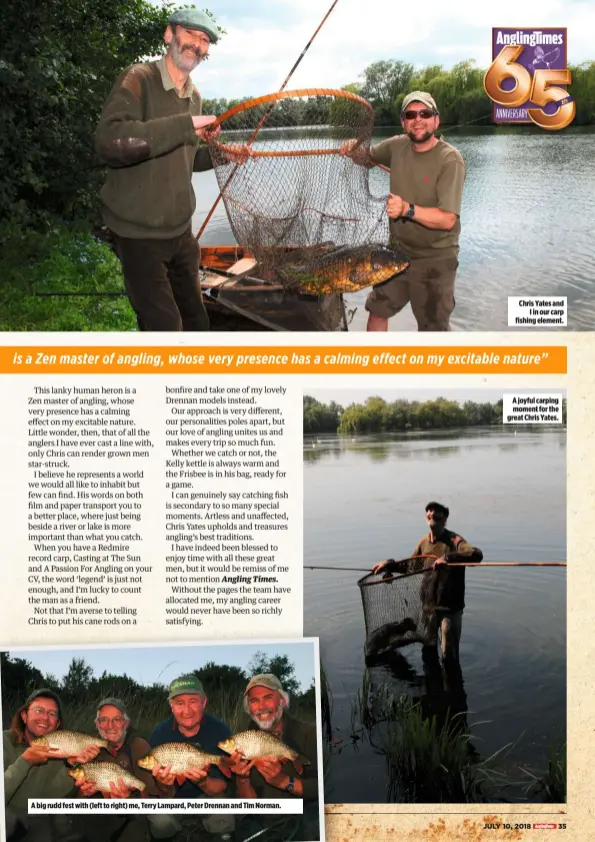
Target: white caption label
{"x":522,"y":408}
{"x":145,"y":806}
{"x":537,"y":312}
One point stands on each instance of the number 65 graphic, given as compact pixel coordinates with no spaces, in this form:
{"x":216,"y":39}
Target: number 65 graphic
{"x":541,"y":88}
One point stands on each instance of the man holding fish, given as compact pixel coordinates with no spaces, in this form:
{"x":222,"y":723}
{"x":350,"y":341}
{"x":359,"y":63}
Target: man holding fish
{"x":35,"y":769}
{"x":148,"y":135}
{"x":185,"y":752}
{"x":442,"y":590}
{"x":424,"y":206}
{"x":277,"y":756}
{"x":116,"y":773}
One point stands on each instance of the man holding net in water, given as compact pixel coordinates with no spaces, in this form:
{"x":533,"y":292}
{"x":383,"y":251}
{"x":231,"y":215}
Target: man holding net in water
{"x":424,"y":206}
{"x":148,"y":135}
{"x":442,"y":590}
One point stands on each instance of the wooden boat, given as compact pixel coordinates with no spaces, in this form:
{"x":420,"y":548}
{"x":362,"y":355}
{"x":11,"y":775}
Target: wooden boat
{"x":237,"y":299}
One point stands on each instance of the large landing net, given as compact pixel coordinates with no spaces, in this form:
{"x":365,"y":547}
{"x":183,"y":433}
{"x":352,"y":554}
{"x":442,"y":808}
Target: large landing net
{"x":304,"y":210}
{"x":394,"y":611}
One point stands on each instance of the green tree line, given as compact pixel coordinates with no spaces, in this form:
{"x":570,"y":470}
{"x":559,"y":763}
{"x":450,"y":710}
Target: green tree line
{"x":376,"y":415}
{"x":80,"y":690}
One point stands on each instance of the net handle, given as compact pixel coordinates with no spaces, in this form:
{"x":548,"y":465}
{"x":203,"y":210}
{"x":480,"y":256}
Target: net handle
{"x":363,"y":584}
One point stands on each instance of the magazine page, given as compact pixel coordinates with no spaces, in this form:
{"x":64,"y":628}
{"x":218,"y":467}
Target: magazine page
{"x":296,"y":322}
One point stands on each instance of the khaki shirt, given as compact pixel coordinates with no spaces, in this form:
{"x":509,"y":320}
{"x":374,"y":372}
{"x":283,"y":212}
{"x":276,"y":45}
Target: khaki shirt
{"x":432,"y":179}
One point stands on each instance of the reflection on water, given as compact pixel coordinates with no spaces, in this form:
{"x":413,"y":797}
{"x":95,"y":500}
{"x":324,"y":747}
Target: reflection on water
{"x":516,"y":238}
{"x":506,"y":493}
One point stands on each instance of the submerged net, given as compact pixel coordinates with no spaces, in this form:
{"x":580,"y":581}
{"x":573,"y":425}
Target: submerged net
{"x":304,"y":210}
{"x":393,"y":605}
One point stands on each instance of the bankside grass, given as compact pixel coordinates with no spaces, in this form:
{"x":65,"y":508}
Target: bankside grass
{"x":61,"y":260}
{"x":425,"y":762}
{"x":550,"y":784}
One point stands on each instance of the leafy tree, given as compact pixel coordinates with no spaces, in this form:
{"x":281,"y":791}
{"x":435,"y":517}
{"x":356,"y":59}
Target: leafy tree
{"x":222,"y":677}
{"x":383,"y":82}
{"x":77,"y":680}
{"x":59,"y":61}
{"x":19,"y":677}
{"x":278,"y":665}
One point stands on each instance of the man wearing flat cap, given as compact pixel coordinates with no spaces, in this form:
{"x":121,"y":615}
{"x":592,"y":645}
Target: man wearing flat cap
{"x":30,"y":771}
{"x":266,"y":702}
{"x":149,"y":136}
{"x":424,"y":207}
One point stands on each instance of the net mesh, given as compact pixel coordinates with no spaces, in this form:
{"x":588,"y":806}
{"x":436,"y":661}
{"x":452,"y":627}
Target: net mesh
{"x":396,"y":606}
{"x":305,"y":211}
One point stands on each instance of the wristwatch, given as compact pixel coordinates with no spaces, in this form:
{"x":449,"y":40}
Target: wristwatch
{"x":409,"y":213}
{"x":290,"y":785}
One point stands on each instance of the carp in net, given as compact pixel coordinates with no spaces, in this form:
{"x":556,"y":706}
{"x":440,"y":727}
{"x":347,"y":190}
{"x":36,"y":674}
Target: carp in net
{"x":398,"y":607}
{"x":305,"y":211}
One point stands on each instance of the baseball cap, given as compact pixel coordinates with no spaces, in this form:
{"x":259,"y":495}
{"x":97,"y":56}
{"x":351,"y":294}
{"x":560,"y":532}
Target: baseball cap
{"x":185,"y":684}
{"x":419,"y":96}
{"x":194,"y":19}
{"x":46,"y":694}
{"x":265,"y":679}
{"x":115,"y":703}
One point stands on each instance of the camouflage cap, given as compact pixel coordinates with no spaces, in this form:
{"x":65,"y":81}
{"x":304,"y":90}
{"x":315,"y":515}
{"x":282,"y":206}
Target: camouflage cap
{"x":194,"y":19}
{"x":419,"y":96}
{"x":115,"y":703}
{"x":185,"y":684}
{"x":265,"y":679}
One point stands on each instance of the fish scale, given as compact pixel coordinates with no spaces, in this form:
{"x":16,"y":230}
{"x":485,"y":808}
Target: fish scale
{"x":102,"y":774}
{"x":256,"y":744}
{"x":68,"y":743}
{"x":181,"y":757}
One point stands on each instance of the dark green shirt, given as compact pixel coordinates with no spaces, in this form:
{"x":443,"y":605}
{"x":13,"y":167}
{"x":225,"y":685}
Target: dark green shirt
{"x":23,"y":780}
{"x":301,"y":737}
{"x":146,"y":137}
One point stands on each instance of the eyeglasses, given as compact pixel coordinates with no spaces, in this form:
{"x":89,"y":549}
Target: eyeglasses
{"x":105,"y":720}
{"x":425,"y":114}
{"x":51,"y":714}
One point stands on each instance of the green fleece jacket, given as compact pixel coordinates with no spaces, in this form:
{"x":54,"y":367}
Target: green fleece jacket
{"x":23,"y":780}
{"x":146,"y":137}
{"x":301,"y":737}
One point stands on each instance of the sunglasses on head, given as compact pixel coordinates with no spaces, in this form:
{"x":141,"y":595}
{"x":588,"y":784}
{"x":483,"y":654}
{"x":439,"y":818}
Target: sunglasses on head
{"x":425,"y":114}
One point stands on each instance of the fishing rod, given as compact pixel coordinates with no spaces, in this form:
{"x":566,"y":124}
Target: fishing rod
{"x":452,"y":564}
{"x":264,"y":118}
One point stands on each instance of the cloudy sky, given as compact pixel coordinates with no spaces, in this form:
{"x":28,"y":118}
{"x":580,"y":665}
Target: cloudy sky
{"x":265,"y":37}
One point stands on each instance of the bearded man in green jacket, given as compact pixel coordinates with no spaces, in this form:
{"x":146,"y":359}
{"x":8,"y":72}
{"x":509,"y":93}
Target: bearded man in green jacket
{"x":149,"y":136}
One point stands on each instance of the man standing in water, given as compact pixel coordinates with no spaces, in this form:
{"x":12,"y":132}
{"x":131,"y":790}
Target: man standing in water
{"x":148,"y":135}
{"x":443,"y":588}
{"x":424,"y":206}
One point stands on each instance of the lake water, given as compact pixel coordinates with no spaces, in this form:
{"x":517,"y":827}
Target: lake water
{"x":528,"y":207}
{"x":364,"y":500}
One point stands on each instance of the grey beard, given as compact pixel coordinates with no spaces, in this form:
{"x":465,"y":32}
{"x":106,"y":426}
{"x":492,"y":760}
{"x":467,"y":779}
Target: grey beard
{"x":268,"y":726}
{"x":181,"y":60}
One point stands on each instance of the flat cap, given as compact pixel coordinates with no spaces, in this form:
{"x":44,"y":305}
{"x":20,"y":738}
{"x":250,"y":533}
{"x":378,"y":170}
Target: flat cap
{"x":195,"y":19}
